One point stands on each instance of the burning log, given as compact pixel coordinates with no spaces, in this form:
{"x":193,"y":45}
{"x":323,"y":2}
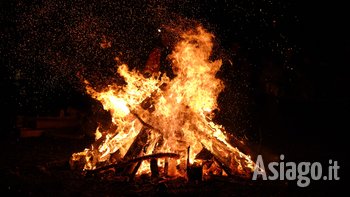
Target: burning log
{"x":188,"y":158}
{"x":224,"y":155}
{"x":229,"y":157}
{"x":135,"y":149}
{"x":154,"y":168}
{"x":194,"y":171}
{"x":155,"y":156}
{"x":138,"y":159}
{"x":143,"y":122}
{"x":134,"y":171}
{"x":166,"y":166}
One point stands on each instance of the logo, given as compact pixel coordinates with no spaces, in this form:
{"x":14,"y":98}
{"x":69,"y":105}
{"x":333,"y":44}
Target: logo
{"x":303,"y":172}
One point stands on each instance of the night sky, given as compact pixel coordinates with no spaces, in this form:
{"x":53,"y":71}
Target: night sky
{"x":300,"y":50}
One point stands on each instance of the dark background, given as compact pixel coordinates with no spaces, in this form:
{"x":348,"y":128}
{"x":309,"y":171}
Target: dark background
{"x":287,"y":89}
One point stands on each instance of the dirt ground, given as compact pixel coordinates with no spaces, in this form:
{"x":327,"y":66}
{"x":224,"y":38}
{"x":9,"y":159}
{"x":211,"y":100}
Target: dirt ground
{"x":39,"y":167}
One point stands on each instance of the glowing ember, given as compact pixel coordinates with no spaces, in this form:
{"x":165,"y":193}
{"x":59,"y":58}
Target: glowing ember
{"x":170,"y":115}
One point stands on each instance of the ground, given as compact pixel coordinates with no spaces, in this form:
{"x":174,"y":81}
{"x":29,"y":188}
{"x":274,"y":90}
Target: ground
{"x":39,"y":166}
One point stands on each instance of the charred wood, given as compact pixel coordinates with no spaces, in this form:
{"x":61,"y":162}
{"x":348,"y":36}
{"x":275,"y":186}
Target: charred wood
{"x":135,"y":149}
{"x":138,"y":159}
{"x":154,"y":168}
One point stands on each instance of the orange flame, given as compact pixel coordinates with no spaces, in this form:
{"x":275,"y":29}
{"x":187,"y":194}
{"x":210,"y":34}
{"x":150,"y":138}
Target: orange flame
{"x":182,"y":115}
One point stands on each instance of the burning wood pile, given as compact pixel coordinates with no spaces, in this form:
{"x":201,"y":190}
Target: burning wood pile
{"x":162,"y":126}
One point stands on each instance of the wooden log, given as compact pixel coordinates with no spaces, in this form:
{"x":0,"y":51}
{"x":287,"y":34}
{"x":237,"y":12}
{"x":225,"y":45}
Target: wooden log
{"x":166,"y":166}
{"x":154,"y":168}
{"x":206,"y":155}
{"x":227,"y":155}
{"x":134,"y":171}
{"x":135,"y":149}
{"x":144,"y":123}
{"x":156,"y":156}
{"x":26,"y":132}
{"x":138,"y":159}
{"x":223,"y":167}
{"x":188,"y":159}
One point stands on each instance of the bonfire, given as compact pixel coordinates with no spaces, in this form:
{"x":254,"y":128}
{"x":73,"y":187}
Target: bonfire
{"x":161,"y":125}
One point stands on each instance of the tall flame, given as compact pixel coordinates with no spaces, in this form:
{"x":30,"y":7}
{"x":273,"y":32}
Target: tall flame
{"x":181,"y":113}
